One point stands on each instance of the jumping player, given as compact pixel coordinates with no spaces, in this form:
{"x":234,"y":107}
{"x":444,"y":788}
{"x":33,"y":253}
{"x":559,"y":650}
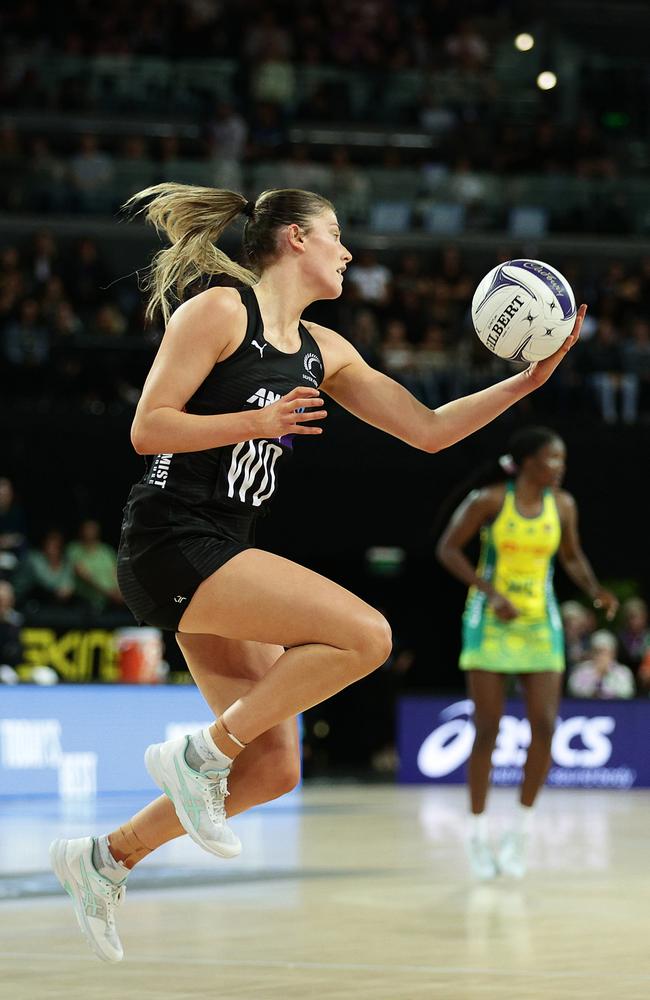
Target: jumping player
{"x":237,"y":378}
{"x":511,"y":623}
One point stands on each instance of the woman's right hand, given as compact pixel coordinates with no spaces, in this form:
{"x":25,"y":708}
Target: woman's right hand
{"x":289,"y":415}
{"x":504,"y":609}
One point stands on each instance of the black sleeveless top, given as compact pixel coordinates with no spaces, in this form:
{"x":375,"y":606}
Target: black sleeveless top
{"x":241,"y":478}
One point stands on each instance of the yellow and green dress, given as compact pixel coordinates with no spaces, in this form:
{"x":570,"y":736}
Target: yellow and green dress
{"x":517,"y":557}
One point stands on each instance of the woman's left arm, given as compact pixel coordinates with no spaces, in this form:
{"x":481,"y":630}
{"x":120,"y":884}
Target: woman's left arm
{"x":384,"y":403}
{"x":574,"y":561}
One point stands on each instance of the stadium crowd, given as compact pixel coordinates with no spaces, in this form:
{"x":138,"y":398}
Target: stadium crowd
{"x":71,"y":334}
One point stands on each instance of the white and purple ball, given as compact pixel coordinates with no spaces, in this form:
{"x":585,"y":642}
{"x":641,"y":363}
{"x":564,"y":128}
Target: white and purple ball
{"x":523,"y":310}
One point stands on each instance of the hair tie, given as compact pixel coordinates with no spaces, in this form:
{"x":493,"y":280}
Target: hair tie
{"x":508,"y":464}
{"x":248,"y":209}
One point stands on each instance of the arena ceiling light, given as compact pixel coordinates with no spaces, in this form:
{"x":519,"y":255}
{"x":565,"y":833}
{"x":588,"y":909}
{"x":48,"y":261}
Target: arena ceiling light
{"x":546,"y":80}
{"x":524,"y":42}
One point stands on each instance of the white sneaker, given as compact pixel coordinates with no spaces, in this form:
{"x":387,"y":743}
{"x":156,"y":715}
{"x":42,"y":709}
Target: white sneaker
{"x":481,"y":858}
{"x":513,"y":854}
{"x":199,"y":799}
{"x":93,"y":896}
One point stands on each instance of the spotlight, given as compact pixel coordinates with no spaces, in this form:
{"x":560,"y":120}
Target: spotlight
{"x":524,"y":42}
{"x":546,"y":80}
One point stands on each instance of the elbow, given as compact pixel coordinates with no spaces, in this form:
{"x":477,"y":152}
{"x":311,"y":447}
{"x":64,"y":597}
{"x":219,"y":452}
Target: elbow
{"x":442,"y":553}
{"x":429,"y":444}
{"x":138,"y":439}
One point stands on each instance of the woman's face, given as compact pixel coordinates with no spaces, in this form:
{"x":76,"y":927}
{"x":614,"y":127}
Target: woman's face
{"x":325,"y":256}
{"x":548,"y":464}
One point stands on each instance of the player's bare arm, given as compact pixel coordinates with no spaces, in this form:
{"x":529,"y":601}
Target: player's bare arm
{"x":478,"y":508}
{"x":382,"y":402}
{"x":573,"y":559}
{"x":203,"y":331}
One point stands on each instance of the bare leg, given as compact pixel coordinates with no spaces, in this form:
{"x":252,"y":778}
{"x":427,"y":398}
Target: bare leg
{"x":332,"y":638}
{"x":224,"y":669}
{"x":542,"y":695}
{"x":487,"y":690}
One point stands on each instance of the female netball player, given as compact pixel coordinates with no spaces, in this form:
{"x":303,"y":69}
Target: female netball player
{"x":237,"y":377}
{"x":511,"y":623}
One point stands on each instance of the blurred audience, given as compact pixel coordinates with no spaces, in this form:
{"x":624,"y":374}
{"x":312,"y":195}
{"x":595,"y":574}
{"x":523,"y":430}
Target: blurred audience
{"x":13,"y":527}
{"x":601,"y":675}
{"x":634,"y":632}
{"x":45,"y":576}
{"x":95,"y":567}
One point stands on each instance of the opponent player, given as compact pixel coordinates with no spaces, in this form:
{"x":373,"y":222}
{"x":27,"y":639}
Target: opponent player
{"x":237,"y":377}
{"x":511,"y":623}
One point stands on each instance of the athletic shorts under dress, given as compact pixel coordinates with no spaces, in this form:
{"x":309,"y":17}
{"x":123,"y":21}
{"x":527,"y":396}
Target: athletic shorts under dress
{"x":517,"y":557}
{"x":190,"y":513}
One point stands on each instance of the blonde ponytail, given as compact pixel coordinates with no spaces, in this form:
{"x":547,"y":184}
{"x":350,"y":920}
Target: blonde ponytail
{"x":193,"y":219}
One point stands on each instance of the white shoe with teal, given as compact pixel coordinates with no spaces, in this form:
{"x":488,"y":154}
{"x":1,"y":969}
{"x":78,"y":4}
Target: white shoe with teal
{"x":198,"y":798}
{"x":513,"y":854}
{"x":94,"y":897}
{"x":481,"y":858}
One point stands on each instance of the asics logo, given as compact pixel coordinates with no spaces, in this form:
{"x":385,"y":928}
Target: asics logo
{"x":260,"y":347}
{"x":179,"y":599}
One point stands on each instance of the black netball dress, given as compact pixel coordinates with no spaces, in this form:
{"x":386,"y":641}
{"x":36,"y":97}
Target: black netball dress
{"x":191,"y":513}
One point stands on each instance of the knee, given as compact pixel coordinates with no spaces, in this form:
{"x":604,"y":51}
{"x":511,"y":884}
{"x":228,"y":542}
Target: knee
{"x":542,"y":727}
{"x":375,"y":643}
{"x":281,"y":773}
{"x":487,"y":730}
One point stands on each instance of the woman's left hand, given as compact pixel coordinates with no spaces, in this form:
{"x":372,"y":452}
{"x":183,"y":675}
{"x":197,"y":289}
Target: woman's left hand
{"x":540,"y":371}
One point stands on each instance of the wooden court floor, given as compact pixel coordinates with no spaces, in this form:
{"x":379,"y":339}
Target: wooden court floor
{"x":347,"y":892}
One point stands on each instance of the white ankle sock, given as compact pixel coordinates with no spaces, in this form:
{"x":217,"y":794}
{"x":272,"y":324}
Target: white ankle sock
{"x":478,"y":826}
{"x":202,"y":753}
{"x":524,"y":818}
{"x":105,"y":863}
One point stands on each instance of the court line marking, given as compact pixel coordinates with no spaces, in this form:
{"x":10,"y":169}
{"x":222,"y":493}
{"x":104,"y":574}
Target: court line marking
{"x":340,"y":966}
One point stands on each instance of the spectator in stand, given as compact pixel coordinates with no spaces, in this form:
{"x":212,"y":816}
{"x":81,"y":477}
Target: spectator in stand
{"x":370,"y":279}
{"x":26,"y":341}
{"x":52,"y":296}
{"x":13,"y":527}
{"x":636,"y":359}
{"x":86,"y":278}
{"x":633,"y":633}
{"x":48,"y":182}
{"x":601,"y":676}
{"x":45,"y":577}
{"x":273,"y":78}
{"x":398,"y":356}
{"x":91,"y":173}
{"x":10,"y":622}
{"x":95,"y":567}
{"x":466,"y":46}
{"x":603,"y":364}
{"x":578,"y":624}
{"x":43,"y":259}
{"x":264,"y":34}
{"x":226,"y":135}
{"x":108,"y":323}
{"x":298,"y":170}
{"x":435,"y":373}
{"x":364,"y":334}
{"x":350,"y":184}
{"x":267,"y":133}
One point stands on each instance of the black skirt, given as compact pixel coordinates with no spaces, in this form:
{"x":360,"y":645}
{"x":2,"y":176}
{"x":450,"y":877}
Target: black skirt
{"x":167,"y":548}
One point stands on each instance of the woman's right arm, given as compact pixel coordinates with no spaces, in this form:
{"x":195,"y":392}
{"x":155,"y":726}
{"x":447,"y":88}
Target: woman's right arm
{"x":467,"y":520}
{"x":201,"y":332}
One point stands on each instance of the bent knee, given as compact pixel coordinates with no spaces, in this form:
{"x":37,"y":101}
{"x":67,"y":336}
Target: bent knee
{"x":375,"y":643}
{"x":278,"y":771}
